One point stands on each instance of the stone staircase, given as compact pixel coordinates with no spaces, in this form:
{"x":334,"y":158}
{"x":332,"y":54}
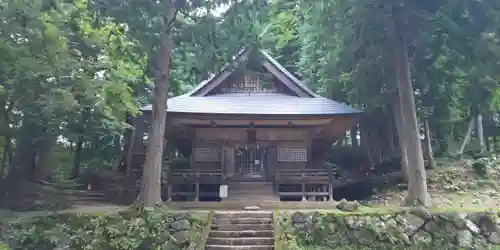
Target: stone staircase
{"x":247,"y":230}
{"x":251,"y":191}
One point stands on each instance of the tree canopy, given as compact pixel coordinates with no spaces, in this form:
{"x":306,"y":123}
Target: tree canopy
{"x":71,"y":73}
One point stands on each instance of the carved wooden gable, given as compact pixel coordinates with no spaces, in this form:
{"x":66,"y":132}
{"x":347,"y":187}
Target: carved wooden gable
{"x":270,"y":77}
{"x":248,"y":83}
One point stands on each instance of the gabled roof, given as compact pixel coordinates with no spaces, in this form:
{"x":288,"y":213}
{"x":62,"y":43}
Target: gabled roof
{"x":256,"y":104}
{"x":278,"y":71}
{"x":302,"y":102}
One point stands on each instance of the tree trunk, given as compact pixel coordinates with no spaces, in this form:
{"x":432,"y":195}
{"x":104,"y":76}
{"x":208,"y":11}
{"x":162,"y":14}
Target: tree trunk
{"x":7,"y":150}
{"x":6,"y":153}
{"x":391,"y":136}
{"x":130,"y":152}
{"x":417,"y":177}
{"x":428,"y":140}
{"x":354,"y":136}
{"x":75,"y":172}
{"x":150,"y":192}
{"x":129,"y":180}
{"x":365,"y":144}
{"x":442,"y":137}
{"x":43,"y":159}
{"x":466,"y":138}
{"x":398,"y":119}
{"x":487,"y":142}
{"x":494,"y":139}
{"x":480,"y":133}
{"x":23,"y":163}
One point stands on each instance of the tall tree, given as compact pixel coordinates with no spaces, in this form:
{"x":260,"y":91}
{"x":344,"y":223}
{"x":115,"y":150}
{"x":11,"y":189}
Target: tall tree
{"x":150,"y":193}
{"x":417,"y":178}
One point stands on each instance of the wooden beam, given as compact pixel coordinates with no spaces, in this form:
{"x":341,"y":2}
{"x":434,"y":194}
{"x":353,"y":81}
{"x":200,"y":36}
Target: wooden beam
{"x":337,"y":127}
{"x":197,"y":191}
{"x":268,"y":117}
{"x":169,"y":192}
{"x":247,"y":122}
{"x":313,"y":132}
{"x":330,"y":192}
{"x":304,"y":192}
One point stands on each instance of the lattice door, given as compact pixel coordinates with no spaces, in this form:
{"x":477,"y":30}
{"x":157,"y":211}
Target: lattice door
{"x":252,"y":163}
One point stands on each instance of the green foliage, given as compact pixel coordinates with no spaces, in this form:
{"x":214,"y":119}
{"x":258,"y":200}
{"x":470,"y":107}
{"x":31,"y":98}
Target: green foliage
{"x":4,"y":246}
{"x":147,"y":229}
{"x":486,"y":167}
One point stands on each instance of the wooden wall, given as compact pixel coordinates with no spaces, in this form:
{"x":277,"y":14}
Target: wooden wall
{"x":262,"y":134}
{"x":279,"y":142}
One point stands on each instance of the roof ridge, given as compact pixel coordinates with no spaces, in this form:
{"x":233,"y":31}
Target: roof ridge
{"x":203,"y":83}
{"x":293,"y":83}
{"x":287,"y":73}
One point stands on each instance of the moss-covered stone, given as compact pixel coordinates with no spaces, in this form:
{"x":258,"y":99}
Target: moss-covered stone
{"x":131,"y":229}
{"x":411,"y":229}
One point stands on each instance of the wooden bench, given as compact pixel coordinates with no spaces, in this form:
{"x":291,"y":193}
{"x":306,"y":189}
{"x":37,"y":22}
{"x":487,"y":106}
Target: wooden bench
{"x":195,"y":175}
{"x":304,"y":177}
{"x":298,"y":176}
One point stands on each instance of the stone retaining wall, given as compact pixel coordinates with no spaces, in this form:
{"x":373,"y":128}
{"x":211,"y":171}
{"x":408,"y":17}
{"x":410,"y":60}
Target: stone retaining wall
{"x":123,"y":230}
{"x":416,"y":227}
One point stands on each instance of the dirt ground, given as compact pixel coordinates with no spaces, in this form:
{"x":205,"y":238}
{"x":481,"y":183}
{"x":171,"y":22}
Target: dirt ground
{"x":454,"y":185}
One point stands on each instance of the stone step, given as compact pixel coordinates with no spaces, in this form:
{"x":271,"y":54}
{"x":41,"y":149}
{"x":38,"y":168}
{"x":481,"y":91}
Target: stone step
{"x":228,"y":221}
{"x":230,"y":215}
{"x":242,"y":227}
{"x":240,"y":241}
{"x":243,"y":233}
{"x":222,"y":247}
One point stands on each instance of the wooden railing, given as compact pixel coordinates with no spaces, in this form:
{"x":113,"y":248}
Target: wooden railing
{"x":182,"y":175}
{"x":301,"y":175}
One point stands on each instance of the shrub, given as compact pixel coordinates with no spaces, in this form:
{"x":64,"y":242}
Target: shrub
{"x":147,"y":229}
{"x":480,"y":168}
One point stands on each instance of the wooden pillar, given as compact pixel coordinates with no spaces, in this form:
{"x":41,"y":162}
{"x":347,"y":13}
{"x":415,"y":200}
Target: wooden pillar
{"x":169,"y":192}
{"x":330,"y":192}
{"x":304,"y":198}
{"x":197,"y":191}
{"x":272,"y":162}
{"x":228,"y":161}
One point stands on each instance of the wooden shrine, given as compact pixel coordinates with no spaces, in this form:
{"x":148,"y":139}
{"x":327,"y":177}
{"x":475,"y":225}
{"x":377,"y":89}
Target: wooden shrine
{"x":253,"y":132}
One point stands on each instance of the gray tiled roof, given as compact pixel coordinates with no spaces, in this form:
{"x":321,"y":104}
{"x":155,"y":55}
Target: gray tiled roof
{"x":287,"y":73}
{"x":256,"y":103}
{"x":237,"y":58}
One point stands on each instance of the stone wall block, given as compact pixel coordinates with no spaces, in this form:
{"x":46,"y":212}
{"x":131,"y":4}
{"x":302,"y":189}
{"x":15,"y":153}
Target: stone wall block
{"x":416,"y":227}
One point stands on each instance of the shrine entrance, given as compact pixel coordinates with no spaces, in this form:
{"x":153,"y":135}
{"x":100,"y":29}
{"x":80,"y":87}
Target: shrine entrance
{"x":251,"y":163}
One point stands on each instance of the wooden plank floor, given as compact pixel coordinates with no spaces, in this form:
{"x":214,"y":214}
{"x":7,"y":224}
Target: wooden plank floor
{"x":239,"y":205}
